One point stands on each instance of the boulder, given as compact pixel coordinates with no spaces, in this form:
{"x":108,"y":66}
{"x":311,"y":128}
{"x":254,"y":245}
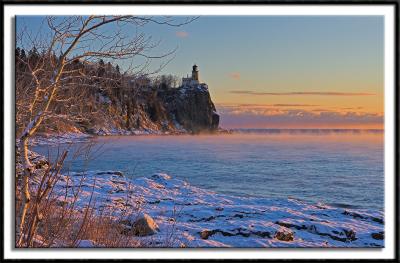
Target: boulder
{"x":350,"y":234}
{"x":205,"y":234}
{"x":160,"y":177}
{"x":118,"y":173}
{"x":378,"y":236}
{"x":284,"y":235}
{"x":140,"y":225}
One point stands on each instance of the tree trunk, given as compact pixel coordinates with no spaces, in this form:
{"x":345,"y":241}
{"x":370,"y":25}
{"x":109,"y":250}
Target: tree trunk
{"x":128,"y":114}
{"x":26,"y":197}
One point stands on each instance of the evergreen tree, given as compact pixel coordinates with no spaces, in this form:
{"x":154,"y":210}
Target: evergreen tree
{"x":101,"y":70}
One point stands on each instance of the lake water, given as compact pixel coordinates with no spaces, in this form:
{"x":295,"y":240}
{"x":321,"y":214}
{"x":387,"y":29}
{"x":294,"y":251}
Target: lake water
{"x":334,"y":167}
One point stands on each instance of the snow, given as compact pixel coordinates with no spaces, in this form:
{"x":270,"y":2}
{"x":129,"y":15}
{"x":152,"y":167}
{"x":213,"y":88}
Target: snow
{"x":86,"y":244}
{"x":185,"y":89}
{"x":103,"y":99}
{"x":31,"y":124}
{"x":77,"y":137}
{"x":61,"y":138}
{"x":183,"y":211}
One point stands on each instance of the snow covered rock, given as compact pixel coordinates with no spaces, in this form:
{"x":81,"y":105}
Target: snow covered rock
{"x":284,"y":235}
{"x":141,"y":225}
{"x":160,"y":177}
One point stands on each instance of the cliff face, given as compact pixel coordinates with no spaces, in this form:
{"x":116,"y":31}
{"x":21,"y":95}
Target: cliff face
{"x":187,"y":109}
{"x":191,"y":107}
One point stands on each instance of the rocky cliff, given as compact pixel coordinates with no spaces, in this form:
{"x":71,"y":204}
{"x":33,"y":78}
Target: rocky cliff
{"x":190,"y":107}
{"x":97,"y":98}
{"x":187,"y":109}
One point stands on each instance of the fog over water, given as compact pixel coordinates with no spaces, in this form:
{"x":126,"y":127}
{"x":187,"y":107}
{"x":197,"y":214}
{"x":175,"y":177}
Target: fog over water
{"x":342,"y":168}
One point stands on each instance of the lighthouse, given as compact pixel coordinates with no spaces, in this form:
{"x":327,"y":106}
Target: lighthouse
{"x":195,"y":73}
{"x":194,"y":79}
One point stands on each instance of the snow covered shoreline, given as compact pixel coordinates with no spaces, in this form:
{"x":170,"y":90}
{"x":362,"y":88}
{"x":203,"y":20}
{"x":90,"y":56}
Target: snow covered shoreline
{"x":189,"y":216}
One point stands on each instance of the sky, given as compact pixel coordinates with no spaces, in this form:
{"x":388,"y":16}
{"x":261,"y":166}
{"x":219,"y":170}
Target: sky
{"x":279,"y":71}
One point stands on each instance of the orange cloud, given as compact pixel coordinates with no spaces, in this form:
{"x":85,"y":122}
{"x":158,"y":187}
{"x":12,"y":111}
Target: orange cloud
{"x":256,"y":115}
{"x":261,"y":106}
{"x":295,"y":105}
{"x":234,"y":75}
{"x":182,"y":34}
{"x":318,"y":93}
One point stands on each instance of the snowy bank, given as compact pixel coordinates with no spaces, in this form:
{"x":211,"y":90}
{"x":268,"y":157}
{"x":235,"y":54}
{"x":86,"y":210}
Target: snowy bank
{"x":59,"y":138}
{"x":188,"y":216}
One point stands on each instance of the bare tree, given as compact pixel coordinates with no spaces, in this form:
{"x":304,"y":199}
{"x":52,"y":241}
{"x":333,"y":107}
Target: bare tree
{"x":57,"y":69}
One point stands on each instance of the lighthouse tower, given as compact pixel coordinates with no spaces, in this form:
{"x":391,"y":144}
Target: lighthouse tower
{"x":195,"y":73}
{"x":194,"y":79}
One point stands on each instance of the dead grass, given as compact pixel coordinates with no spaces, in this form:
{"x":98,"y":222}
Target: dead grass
{"x":55,"y":220}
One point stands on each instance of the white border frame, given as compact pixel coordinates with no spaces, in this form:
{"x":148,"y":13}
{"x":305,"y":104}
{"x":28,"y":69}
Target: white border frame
{"x":388,"y":11}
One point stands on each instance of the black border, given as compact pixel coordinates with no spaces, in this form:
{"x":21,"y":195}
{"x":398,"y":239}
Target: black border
{"x":226,"y":2}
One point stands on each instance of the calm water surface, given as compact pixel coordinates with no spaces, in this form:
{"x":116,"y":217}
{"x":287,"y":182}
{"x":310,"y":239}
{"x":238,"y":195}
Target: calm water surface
{"x":343,"y":169}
